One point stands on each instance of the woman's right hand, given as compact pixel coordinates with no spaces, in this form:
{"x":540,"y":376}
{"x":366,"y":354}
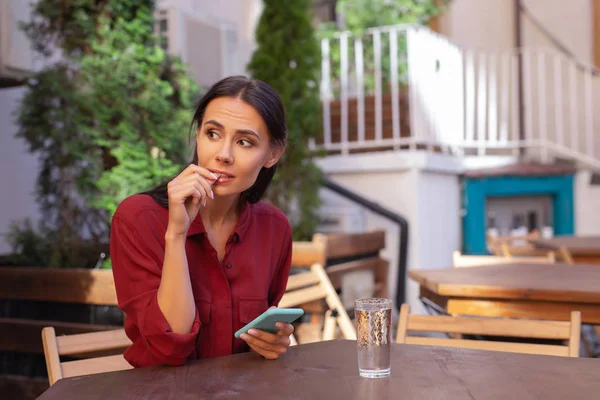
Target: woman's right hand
{"x":187,"y":193}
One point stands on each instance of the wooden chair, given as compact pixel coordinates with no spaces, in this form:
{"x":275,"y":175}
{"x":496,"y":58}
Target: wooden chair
{"x":518,"y":328}
{"x":565,"y":255}
{"x":459,"y":260}
{"x":82,"y":345}
{"x":313,"y":285}
{"x":503,"y":246}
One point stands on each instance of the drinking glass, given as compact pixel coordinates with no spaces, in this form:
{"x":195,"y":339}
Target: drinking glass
{"x":373,"y":336}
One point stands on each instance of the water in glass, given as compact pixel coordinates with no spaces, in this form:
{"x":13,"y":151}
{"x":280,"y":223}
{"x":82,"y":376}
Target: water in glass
{"x":373,"y":329}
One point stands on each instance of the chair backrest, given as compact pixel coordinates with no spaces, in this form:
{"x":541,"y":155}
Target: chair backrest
{"x":460,"y":260}
{"x":500,"y":245}
{"x":84,"y":345}
{"x":305,"y":254}
{"x":517,"y":328}
{"x":314,"y":285}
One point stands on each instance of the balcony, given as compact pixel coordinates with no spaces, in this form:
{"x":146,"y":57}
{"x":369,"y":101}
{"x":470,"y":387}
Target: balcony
{"x":407,"y":88}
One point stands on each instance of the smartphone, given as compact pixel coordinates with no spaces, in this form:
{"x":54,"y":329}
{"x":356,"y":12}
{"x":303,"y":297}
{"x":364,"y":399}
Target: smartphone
{"x":266,"y":321}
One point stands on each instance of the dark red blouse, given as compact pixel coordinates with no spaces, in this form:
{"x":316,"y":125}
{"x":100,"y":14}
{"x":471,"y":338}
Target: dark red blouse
{"x":228,"y":294}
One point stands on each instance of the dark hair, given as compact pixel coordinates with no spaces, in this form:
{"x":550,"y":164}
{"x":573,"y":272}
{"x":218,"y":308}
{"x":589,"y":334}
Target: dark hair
{"x":266,"y":102}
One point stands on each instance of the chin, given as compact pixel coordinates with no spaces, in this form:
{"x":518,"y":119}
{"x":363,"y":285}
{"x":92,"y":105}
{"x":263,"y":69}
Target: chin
{"x":226,"y":191}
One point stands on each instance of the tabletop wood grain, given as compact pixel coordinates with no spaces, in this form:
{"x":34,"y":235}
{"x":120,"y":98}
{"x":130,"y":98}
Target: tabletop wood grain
{"x":577,"y":245}
{"x":328,"y":370}
{"x":552,"y":282}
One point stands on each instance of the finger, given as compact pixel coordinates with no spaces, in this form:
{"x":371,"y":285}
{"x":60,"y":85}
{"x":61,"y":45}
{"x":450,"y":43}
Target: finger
{"x":195,"y":181}
{"x":182,"y":191}
{"x":196,"y":177}
{"x":284,"y":329}
{"x":264,"y":348}
{"x":203,"y":172}
{"x":268,"y":341}
{"x":192,"y":169}
{"x":269,"y":355}
{"x":202,"y":191}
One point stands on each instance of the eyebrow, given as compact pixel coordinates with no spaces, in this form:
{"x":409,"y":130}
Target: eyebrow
{"x":242,"y":131}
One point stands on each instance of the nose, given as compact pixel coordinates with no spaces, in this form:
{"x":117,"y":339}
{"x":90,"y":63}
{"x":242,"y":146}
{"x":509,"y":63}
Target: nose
{"x":224,"y":155}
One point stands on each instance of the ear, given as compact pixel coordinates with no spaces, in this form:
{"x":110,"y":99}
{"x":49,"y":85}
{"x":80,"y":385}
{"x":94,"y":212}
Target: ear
{"x":274,"y":156}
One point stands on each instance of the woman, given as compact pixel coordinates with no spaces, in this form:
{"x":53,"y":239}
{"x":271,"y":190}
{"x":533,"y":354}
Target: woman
{"x":197,"y":259}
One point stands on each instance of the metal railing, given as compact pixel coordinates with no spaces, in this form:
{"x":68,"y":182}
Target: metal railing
{"x":406,"y":87}
{"x":384,"y":212}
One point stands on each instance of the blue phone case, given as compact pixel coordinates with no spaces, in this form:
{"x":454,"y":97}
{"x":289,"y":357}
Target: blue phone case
{"x":266,"y":321}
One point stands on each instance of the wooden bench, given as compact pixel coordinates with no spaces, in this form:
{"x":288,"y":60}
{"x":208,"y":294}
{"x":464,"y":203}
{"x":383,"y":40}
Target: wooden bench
{"x":23,"y":287}
{"x":346,"y":253}
{"x":341,"y":254}
{"x":77,"y":286}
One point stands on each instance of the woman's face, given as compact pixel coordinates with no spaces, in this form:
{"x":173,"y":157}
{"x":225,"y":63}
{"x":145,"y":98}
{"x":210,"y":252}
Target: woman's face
{"x":233,"y":142}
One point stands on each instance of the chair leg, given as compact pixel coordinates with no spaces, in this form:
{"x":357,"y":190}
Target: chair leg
{"x":566,"y":255}
{"x":334,"y":302}
{"x":329,"y":326}
{"x":51,"y":354}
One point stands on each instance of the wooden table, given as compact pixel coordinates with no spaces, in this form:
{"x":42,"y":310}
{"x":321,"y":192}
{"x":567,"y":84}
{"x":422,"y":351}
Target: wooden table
{"x":543,"y":291}
{"x":328,"y":370}
{"x":583,"y":249}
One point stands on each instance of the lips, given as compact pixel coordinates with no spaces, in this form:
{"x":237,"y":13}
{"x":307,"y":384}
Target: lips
{"x":223,"y":177}
{"x":221,"y":174}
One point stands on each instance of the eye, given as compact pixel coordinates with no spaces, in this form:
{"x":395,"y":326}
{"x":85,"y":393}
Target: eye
{"x":212,"y":134}
{"x":245,"y":143}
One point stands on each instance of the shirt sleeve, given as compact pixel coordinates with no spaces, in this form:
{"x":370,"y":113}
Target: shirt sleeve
{"x":137,"y":254}
{"x":279,"y":283}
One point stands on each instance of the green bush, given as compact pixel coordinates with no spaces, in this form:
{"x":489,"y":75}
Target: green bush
{"x":108,"y":120}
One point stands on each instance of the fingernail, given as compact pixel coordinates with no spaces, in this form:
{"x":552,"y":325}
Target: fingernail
{"x":243,"y":336}
{"x":212,"y":195}
{"x":279,"y":325}
{"x":205,"y":202}
{"x":214,"y":176}
{"x":252,"y":332}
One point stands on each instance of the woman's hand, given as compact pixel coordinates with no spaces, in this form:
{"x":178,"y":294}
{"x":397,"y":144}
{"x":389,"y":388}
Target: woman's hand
{"x":269,"y":345}
{"x":187,"y":193}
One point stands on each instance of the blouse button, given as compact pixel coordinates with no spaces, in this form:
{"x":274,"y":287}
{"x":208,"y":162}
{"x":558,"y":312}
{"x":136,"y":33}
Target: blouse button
{"x":228,"y":265}
{"x":235,"y":238}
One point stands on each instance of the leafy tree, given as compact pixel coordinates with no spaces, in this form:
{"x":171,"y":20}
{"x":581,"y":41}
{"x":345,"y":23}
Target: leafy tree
{"x":288,"y":59}
{"x":107,"y":120}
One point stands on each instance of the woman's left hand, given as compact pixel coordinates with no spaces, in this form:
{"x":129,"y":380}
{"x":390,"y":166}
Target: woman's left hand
{"x":269,"y":345}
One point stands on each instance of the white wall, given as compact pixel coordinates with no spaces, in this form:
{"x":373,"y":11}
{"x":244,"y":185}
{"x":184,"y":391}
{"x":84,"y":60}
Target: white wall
{"x":423,"y":188}
{"x":569,"y":21}
{"x":476,"y":24}
{"x":587,"y":201}
{"x":489,"y":24}
{"x":243,"y":14}
{"x":18,"y":169}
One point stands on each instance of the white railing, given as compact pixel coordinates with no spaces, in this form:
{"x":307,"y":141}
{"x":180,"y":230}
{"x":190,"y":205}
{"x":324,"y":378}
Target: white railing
{"x":407,"y":87}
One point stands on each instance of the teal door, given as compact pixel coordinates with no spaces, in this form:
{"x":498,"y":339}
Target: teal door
{"x":475,"y":191}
